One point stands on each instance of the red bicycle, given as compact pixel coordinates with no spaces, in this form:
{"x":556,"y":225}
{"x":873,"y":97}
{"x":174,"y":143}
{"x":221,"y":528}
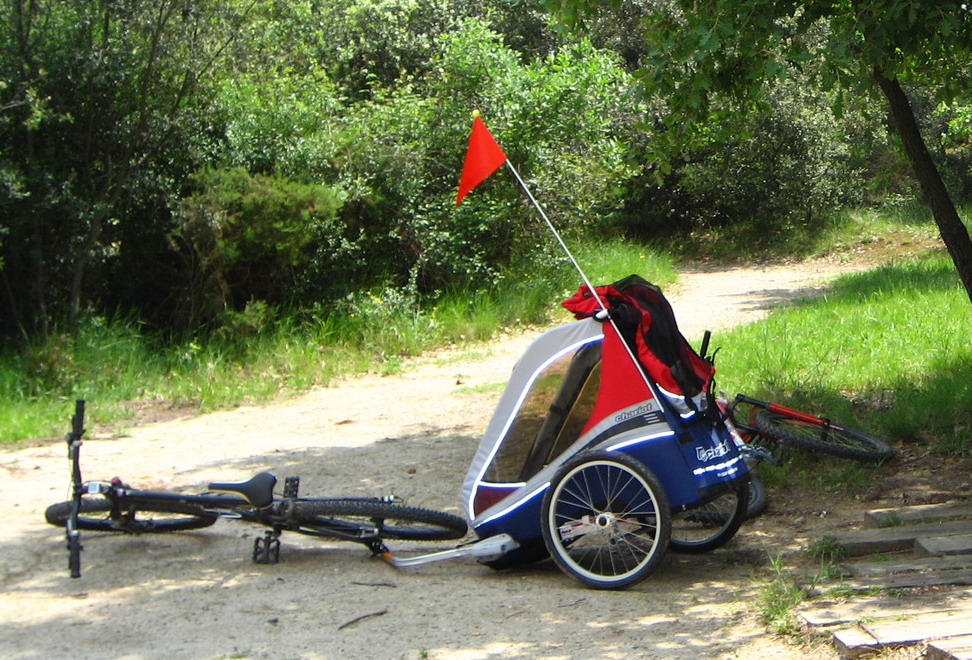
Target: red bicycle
{"x":787,"y":426}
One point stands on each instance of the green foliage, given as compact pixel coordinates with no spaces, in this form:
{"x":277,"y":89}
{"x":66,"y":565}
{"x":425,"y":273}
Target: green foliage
{"x":100,"y":103}
{"x":259,"y":355}
{"x":401,"y":153}
{"x":222,"y":164}
{"x":780,"y":176}
{"x":707,"y":59}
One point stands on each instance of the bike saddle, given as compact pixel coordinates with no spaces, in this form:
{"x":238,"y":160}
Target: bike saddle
{"x":258,"y":491}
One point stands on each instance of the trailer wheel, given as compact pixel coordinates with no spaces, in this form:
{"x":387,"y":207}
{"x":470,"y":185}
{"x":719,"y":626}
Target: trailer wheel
{"x":606,"y":519}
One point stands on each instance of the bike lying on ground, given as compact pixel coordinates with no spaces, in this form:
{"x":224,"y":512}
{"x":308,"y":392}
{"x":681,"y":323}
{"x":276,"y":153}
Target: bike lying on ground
{"x":117,"y":507}
{"x":791,"y":427}
{"x":771,"y":429}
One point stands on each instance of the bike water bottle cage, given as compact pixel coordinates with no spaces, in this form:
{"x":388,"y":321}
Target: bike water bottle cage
{"x":258,"y":491}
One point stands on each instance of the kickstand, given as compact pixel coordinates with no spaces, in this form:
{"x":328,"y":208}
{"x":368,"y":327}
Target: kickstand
{"x":266,"y":550}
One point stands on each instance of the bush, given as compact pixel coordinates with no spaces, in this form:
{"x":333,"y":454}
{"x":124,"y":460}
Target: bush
{"x":244,"y":237}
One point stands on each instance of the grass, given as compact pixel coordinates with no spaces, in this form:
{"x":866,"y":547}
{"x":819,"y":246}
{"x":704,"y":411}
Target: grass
{"x":778,"y":596}
{"x":115,"y":364}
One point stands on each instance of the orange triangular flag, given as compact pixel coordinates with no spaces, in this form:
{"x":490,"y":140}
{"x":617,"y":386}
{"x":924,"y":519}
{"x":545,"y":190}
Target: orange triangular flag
{"x":483,"y":157}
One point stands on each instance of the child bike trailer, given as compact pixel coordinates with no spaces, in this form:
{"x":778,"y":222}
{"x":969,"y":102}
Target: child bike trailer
{"x":603,"y":450}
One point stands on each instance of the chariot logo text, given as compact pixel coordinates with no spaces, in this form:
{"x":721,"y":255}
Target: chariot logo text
{"x":640,"y":410}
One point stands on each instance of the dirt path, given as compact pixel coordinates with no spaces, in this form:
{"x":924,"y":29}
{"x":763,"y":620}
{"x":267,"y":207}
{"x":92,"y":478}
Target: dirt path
{"x":197,"y":595}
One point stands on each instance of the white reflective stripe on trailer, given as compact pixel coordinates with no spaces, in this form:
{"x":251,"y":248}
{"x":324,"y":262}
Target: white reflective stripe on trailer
{"x":719,"y":466}
{"x":640,"y":439}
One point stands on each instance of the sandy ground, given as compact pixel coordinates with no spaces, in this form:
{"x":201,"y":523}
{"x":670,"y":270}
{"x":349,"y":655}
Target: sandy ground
{"x":197,"y":595}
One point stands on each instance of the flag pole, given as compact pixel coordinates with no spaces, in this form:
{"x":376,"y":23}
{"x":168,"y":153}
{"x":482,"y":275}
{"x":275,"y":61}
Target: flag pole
{"x":483,"y":157}
{"x":587,"y":282}
{"x":556,"y":233}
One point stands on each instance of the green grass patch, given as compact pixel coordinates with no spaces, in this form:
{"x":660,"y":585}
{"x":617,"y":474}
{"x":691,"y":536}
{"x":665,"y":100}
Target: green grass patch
{"x":778,"y":595}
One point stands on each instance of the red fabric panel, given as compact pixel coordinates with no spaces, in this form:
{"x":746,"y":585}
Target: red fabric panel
{"x":487,"y":496}
{"x":622,"y":384}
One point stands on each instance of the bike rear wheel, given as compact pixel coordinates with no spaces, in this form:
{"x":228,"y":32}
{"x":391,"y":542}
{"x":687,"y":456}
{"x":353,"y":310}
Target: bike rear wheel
{"x":758,"y":499}
{"x":387,"y":520}
{"x":828,"y":439}
{"x":146,"y":518}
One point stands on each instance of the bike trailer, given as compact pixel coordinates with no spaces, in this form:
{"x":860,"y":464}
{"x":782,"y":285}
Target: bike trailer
{"x":602,"y":434}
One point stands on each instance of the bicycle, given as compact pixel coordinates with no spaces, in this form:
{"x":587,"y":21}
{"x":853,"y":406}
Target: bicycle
{"x":768,"y":430}
{"x":791,"y":427}
{"x":117,"y":507}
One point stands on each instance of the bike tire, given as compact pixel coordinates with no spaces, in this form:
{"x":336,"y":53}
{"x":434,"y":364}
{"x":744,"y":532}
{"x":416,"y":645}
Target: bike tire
{"x":710,"y":526}
{"x":145,"y":518}
{"x":834,"y":440}
{"x":392,"y":521}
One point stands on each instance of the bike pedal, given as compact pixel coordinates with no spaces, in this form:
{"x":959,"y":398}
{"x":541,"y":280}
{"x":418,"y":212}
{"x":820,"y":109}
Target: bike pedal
{"x":266,"y":550}
{"x":291,"y":486}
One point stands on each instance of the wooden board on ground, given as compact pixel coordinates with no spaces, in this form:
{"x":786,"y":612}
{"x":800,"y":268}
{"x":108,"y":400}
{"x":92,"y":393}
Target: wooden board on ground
{"x":952,"y":648}
{"x":936,"y":546}
{"x":912,"y":629}
{"x":894,"y":539}
{"x":931,"y":554}
{"x":823,"y":614}
{"x":865,"y":638}
{"x":918,"y":513}
{"x":961,"y":577}
{"x":908,"y":565}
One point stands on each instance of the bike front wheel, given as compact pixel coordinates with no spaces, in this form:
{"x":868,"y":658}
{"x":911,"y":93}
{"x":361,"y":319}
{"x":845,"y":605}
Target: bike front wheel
{"x":385,"y":520}
{"x":95,"y":515}
{"x":826,"y":438}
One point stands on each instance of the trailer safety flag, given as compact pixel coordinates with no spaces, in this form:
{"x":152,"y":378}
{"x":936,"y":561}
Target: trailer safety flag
{"x":483,"y":157}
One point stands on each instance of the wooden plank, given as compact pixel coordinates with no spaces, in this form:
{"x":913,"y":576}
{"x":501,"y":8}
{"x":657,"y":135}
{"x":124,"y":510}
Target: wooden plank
{"x":854,"y":642}
{"x":916,"y":565}
{"x":892,"y":539}
{"x":918,"y":513}
{"x":937,"y":546}
{"x":951,"y":648}
{"x":918,"y":628}
{"x":962,"y":577}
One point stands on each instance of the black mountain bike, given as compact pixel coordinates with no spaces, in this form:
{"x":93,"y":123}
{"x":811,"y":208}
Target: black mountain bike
{"x":117,"y":507}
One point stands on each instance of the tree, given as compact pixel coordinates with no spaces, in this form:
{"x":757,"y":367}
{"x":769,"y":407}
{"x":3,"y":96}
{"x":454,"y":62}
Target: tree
{"x":729,"y":49}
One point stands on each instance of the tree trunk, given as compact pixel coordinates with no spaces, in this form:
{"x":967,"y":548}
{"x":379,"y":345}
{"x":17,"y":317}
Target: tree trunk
{"x":953,"y":232}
